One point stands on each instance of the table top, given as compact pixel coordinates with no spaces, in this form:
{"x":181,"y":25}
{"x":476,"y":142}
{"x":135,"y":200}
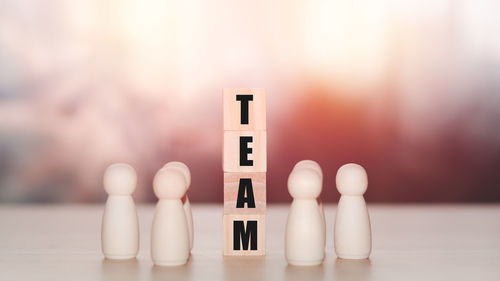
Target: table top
{"x":410,"y":242}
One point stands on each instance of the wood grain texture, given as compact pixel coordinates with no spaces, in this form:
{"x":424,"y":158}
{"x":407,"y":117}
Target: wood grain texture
{"x":410,"y":242}
{"x":227,"y":222}
{"x":256,"y":109}
{"x":231,"y":151}
{"x":231,"y":189}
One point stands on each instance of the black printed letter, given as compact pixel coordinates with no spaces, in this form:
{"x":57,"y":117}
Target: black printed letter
{"x":250,"y":235}
{"x":245,"y":185}
{"x":245,"y":150}
{"x":244,"y":99}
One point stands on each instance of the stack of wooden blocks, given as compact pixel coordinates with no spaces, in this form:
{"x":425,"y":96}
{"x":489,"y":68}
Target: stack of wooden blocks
{"x":244,"y":171}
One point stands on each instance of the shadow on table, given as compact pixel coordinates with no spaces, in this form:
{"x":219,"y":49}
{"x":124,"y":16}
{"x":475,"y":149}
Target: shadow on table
{"x":123,"y":270}
{"x":308,"y":273}
{"x":356,"y":270}
{"x":244,"y":268}
{"x":177,"y":273}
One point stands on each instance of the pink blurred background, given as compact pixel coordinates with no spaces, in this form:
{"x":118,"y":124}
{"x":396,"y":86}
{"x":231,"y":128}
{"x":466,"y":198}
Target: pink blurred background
{"x":409,"y":89}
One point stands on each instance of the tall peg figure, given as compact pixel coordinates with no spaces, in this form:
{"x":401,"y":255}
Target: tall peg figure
{"x":185,"y":200}
{"x":352,"y":223}
{"x":120,"y":226}
{"x":169,"y":234}
{"x":304,"y":234}
{"x":314,"y":165}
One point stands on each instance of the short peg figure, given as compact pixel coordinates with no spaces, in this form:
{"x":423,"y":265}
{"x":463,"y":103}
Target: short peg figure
{"x":352,"y":223}
{"x":304,"y":235}
{"x":185,"y":200}
{"x":169,"y":233}
{"x":120,"y":226}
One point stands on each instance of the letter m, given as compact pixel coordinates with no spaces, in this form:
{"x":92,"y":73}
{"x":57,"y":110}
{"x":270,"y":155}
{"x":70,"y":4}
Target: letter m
{"x":248,"y":236}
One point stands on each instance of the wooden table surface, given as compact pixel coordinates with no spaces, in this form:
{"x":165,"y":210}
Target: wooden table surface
{"x":410,"y":242}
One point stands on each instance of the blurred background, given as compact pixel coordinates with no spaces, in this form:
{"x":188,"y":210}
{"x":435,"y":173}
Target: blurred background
{"x":409,"y":89}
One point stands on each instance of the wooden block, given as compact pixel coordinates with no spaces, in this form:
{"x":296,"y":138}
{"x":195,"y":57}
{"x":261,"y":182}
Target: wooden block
{"x":249,"y":231}
{"x":245,"y":151}
{"x":241,"y":113}
{"x":251,"y":190}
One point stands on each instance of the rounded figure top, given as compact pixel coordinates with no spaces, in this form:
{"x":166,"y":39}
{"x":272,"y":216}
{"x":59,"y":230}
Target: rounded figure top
{"x":304,"y":183}
{"x":120,"y":179}
{"x":183,"y":168}
{"x":309,"y":164}
{"x":169,"y":183}
{"x":352,"y":179}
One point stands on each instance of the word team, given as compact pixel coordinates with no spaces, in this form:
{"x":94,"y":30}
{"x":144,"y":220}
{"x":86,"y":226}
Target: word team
{"x":244,"y":165}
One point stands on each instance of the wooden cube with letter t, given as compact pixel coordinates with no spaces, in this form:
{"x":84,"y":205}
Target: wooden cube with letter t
{"x":244,"y":165}
{"x":244,"y":109}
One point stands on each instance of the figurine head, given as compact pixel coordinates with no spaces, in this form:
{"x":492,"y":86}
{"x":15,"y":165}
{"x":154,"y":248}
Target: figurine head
{"x":169,"y":183}
{"x":304,"y":183}
{"x":120,"y":179}
{"x":352,"y":180}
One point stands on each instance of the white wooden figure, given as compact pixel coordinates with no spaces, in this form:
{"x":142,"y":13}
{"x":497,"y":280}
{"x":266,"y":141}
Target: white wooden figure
{"x":304,"y":235}
{"x":120,"y":226}
{"x":187,"y":206}
{"x":352,"y":223}
{"x":314,"y":165}
{"x":169,"y":233}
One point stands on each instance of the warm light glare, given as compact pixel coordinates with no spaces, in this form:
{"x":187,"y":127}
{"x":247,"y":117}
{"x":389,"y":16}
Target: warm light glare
{"x":346,"y":41}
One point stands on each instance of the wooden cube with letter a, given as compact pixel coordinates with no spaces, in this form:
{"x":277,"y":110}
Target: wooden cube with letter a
{"x":244,"y":166}
{"x":244,"y":193}
{"x":244,"y":235}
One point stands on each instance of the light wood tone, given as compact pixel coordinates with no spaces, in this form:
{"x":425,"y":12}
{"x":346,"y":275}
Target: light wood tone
{"x":410,"y":242}
{"x":256,"y":109}
{"x":231,"y":152}
{"x":231,"y":188}
{"x":228,"y":235}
